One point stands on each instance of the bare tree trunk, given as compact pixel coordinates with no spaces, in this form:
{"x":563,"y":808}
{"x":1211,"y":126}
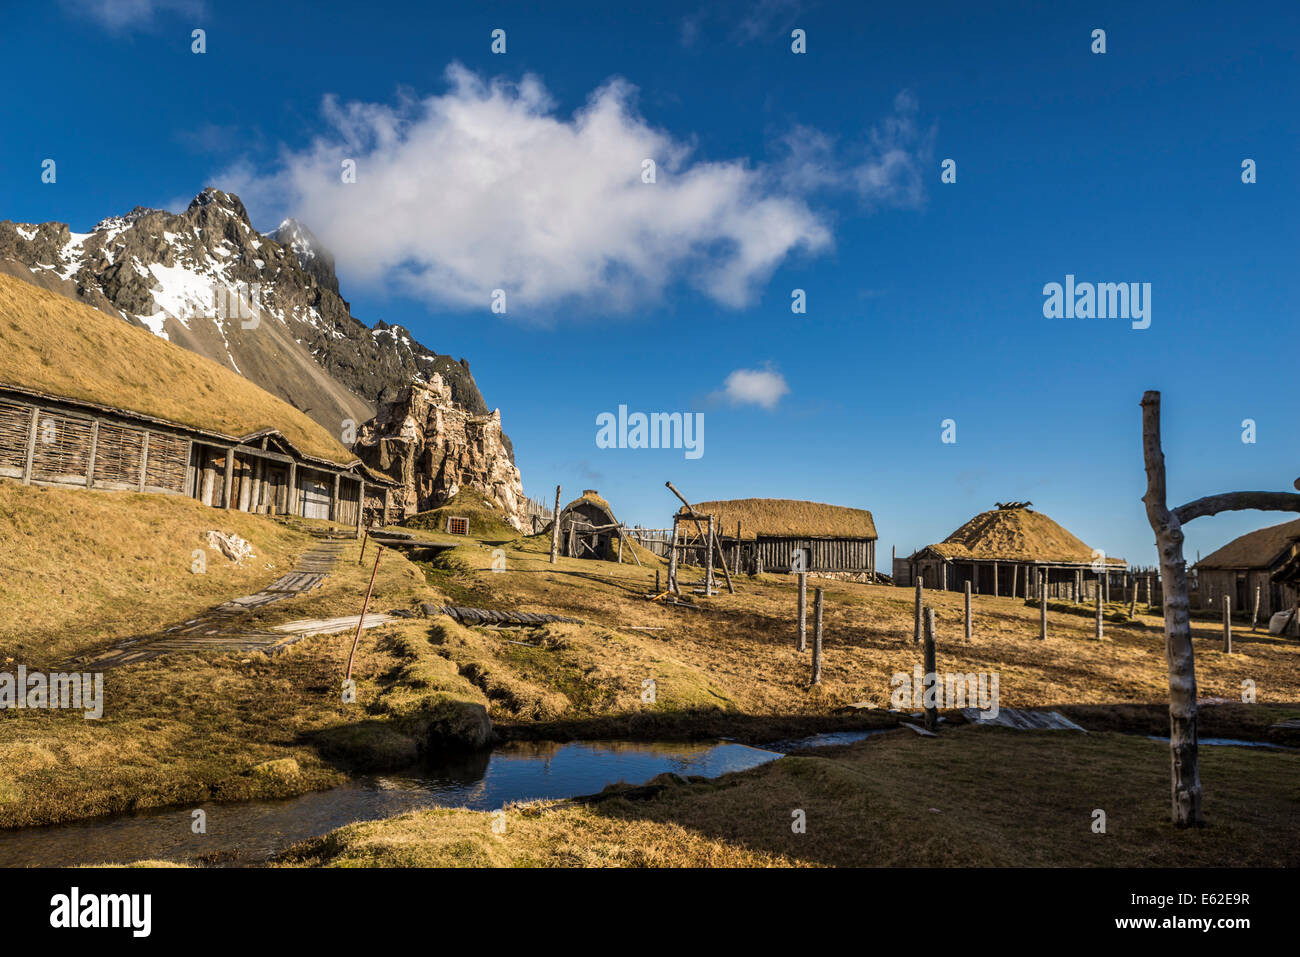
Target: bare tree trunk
{"x":1184,"y":770}
{"x":555,"y":528}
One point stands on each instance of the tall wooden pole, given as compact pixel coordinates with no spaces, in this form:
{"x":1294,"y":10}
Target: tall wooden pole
{"x":1254,"y":615}
{"x":817,"y":639}
{"x":803,"y":611}
{"x":968,"y":628}
{"x":1227,"y":625}
{"x":364,"y":608}
{"x":555,"y":528}
{"x":1042,"y":605}
{"x":1099,"y":623}
{"x":916,"y":628}
{"x":708,"y":564}
{"x":931,"y":679}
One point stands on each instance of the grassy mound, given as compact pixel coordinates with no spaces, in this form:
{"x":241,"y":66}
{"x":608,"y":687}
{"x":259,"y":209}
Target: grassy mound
{"x":486,"y":520}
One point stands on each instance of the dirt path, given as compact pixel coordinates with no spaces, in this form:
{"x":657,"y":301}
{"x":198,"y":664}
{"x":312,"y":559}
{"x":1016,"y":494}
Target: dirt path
{"x":221,"y":628}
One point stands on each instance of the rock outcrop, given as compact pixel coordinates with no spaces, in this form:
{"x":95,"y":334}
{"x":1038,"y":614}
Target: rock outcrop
{"x":435,"y":447}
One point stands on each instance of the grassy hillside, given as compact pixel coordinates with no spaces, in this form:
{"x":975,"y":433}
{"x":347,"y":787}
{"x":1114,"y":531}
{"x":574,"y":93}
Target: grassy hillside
{"x":79,"y":569}
{"x":486,"y":520}
{"x":52,"y":344}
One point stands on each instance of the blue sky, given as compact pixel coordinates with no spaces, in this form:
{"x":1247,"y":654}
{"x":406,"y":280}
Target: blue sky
{"x":776,"y":171}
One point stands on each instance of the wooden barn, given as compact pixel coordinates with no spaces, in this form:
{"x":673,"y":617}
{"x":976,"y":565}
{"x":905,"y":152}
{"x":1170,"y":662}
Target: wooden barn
{"x":74,"y":443}
{"x":758,"y":535}
{"x":1267,"y":559}
{"x":1003,"y":552}
{"x":588,"y":528}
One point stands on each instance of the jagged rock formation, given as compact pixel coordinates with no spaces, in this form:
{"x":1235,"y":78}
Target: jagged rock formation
{"x":424,"y":440}
{"x":166,"y":272}
{"x":295,"y":336}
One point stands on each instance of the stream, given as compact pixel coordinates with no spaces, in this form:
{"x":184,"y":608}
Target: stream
{"x":252,"y":831}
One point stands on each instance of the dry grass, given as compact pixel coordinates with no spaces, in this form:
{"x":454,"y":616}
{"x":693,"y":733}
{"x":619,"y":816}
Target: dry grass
{"x":55,"y":345}
{"x":972,"y":797}
{"x":783,"y":516}
{"x":737,"y":653}
{"x":81,"y":569}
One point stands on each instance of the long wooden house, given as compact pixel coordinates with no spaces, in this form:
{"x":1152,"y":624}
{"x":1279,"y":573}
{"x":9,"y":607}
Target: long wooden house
{"x":74,"y":443}
{"x":1005,"y":550}
{"x":760,"y":535}
{"x":1266,"y":560}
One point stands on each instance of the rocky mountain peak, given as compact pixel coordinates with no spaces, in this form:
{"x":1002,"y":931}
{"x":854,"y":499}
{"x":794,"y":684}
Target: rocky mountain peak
{"x":313,"y":257}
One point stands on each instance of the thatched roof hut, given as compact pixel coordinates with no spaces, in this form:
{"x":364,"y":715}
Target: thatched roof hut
{"x":781,"y":534}
{"x":588,"y":528}
{"x":1005,"y":549}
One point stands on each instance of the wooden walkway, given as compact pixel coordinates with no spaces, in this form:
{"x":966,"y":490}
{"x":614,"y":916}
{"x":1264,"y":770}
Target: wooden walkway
{"x":221,"y":629}
{"x":1023,"y":720}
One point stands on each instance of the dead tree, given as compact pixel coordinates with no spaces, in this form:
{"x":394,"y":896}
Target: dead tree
{"x":1168,"y":525}
{"x":555,"y":528}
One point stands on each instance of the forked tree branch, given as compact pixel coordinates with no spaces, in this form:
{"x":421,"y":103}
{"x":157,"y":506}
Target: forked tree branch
{"x":1236,"y":502}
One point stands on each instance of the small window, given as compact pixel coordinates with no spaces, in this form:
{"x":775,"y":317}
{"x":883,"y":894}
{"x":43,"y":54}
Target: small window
{"x":457,"y":526}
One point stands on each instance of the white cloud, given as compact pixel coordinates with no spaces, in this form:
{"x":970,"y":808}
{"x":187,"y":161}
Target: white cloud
{"x":119,"y":15}
{"x":486,"y":187}
{"x":886,"y":169}
{"x":762,"y":387}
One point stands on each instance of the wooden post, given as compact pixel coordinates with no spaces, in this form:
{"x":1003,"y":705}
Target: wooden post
{"x":1099,"y":622}
{"x":916,"y":628}
{"x":1227,"y":625}
{"x":94,"y":450}
{"x":555,"y":528}
{"x":803,"y":611}
{"x":620,"y":548}
{"x":995,"y":582}
{"x":388,"y":504}
{"x":817,"y":639}
{"x":291,"y":497}
{"x":334,"y":499}
{"x":1133,"y":601}
{"x":968,"y":623}
{"x":1254,"y":615}
{"x":230,"y":478}
{"x":658,"y":589}
{"x":364,"y":538}
{"x":32,"y":426}
{"x":672,"y":560}
{"x":931,"y":679}
{"x":1042,"y":606}
{"x":364,"y":607}
{"x":1015,"y":575}
{"x":708,"y":564}
{"x":1149,"y":605}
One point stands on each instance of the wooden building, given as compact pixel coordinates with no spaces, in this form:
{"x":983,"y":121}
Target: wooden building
{"x":1267,"y":559}
{"x":760,"y":535}
{"x":588,"y":528}
{"x":1004,"y":551}
{"x":74,"y":443}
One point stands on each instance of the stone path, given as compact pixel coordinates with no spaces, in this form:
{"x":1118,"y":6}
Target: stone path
{"x":221,"y":629}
